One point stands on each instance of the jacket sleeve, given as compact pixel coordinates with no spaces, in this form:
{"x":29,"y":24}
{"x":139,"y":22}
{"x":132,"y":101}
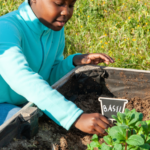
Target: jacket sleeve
{"x":19,"y":76}
{"x":61,"y":66}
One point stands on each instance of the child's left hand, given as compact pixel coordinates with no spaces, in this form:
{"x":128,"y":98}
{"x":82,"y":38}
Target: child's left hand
{"x":93,"y":58}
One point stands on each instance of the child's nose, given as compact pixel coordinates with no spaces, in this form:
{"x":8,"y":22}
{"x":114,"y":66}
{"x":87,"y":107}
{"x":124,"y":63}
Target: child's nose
{"x":65,"y":11}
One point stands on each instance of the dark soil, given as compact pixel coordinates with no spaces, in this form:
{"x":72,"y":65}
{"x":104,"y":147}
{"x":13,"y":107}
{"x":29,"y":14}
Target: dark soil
{"x":73,"y":139}
{"x":52,"y":134}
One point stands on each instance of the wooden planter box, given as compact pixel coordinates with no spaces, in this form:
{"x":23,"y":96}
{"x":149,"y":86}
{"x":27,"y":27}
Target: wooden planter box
{"x":114,"y":82}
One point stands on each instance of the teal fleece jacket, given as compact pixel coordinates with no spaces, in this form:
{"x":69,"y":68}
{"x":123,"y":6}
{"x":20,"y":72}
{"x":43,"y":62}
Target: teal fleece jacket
{"x":31,"y":59}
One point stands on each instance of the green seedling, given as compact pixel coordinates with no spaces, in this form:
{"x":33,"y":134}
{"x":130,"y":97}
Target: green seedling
{"x":94,"y":143}
{"x":130,"y":133}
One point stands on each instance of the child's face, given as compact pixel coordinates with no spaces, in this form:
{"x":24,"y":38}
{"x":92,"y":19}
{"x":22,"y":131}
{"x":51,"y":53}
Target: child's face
{"x":53,"y":13}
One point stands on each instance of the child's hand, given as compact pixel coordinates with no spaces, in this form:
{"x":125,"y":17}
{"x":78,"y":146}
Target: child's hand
{"x":94,"y":58}
{"x":93,"y":123}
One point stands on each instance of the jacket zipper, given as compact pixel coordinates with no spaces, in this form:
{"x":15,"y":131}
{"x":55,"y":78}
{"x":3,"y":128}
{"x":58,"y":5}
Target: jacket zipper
{"x":42,"y":52}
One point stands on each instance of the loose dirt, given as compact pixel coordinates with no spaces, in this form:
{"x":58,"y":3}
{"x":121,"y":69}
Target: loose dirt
{"x":50,"y":134}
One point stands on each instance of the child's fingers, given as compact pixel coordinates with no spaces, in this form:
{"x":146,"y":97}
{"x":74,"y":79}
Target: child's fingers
{"x":104,"y":119}
{"x":94,"y":58}
{"x":106,"y":58}
{"x":97,"y":61}
{"x":100,"y":130}
{"x":102,"y":124}
{"x":100,"y":57}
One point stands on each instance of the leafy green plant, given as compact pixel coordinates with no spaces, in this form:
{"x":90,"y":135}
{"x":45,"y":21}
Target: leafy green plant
{"x":130,"y":133}
{"x":94,"y":143}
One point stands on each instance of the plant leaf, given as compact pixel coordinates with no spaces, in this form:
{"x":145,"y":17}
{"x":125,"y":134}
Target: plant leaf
{"x":148,"y":139}
{"x":118,"y":133}
{"x":135,"y":140}
{"x":131,"y":147}
{"x":124,"y":127}
{"x":133,"y":110}
{"x":116,"y":118}
{"x":107,"y":130}
{"x":94,"y":137}
{"x":121,"y":117}
{"x":94,"y":144}
{"x":118,"y":147}
{"x":142,"y":125}
{"x":135,"y":117}
{"x":135,"y":148}
{"x":140,"y":131}
{"x":105,"y":147}
{"x":145,"y":146}
{"x":148,"y":123}
{"x":89,"y":147}
{"x":108,"y":139}
{"x":126,"y":111}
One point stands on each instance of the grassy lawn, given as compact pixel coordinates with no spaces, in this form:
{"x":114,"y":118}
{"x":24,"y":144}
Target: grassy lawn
{"x":119,"y":28}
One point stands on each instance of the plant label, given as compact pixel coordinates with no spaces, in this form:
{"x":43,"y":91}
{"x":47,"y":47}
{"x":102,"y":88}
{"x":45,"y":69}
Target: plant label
{"x":110,"y":106}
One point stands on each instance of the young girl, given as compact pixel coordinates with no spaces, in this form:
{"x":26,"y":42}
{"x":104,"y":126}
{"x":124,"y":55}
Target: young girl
{"x":31,"y":59}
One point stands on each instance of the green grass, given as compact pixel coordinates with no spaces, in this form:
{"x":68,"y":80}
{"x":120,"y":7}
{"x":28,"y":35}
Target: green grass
{"x":119,"y":28}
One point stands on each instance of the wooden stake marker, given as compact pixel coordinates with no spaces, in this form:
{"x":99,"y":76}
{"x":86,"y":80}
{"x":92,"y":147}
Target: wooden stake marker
{"x":110,"y":106}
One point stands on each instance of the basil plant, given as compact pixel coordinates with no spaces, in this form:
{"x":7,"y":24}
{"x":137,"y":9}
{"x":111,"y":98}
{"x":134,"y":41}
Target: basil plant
{"x":129,"y":133}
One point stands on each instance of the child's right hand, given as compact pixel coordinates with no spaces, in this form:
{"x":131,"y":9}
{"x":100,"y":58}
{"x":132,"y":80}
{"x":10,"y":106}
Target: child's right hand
{"x":93,"y":123}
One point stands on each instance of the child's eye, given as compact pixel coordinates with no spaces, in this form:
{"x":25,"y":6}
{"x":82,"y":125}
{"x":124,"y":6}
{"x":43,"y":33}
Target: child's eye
{"x":59,"y":4}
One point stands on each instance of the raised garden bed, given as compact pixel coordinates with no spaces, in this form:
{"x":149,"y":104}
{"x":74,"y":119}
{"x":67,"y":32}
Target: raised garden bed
{"x":83,"y":86}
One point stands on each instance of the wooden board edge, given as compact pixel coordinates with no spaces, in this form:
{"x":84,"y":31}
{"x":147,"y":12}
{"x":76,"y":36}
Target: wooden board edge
{"x":29,"y":104}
